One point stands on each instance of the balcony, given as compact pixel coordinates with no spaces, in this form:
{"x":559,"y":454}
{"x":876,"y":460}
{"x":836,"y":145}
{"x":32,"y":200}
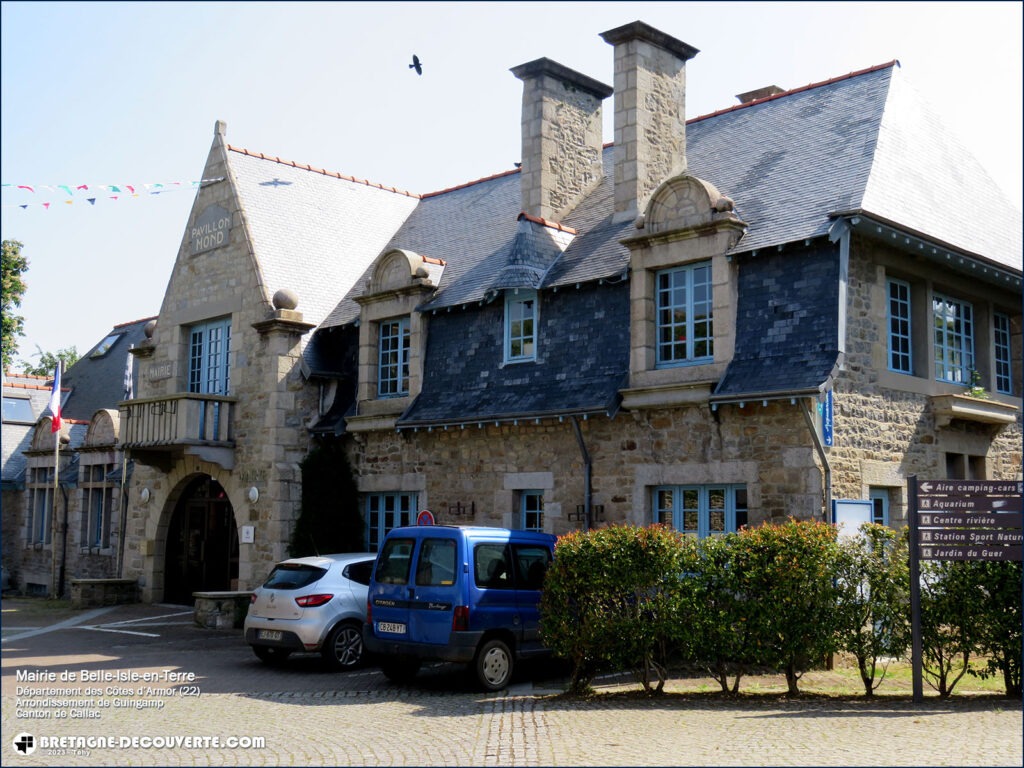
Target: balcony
{"x":161,"y":430}
{"x":984,"y":411}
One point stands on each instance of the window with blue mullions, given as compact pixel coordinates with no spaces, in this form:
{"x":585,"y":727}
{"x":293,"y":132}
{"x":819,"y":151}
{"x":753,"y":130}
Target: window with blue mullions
{"x":520,"y":326}
{"x":1004,"y":376}
{"x":900,"y":342}
{"x":209,"y":368}
{"x":531,"y":511}
{"x":685,"y":328}
{"x":702,"y":510}
{"x":385,"y":511}
{"x":393,"y":358}
{"x":953,"y":326}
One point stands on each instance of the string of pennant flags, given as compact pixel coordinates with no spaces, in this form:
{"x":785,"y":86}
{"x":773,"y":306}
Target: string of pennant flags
{"x":91,"y":193}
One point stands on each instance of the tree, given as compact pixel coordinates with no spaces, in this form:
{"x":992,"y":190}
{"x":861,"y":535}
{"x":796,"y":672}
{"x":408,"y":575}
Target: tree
{"x":873,"y":603}
{"x":329,"y":520}
{"x":14,"y":266}
{"x":49,"y":360}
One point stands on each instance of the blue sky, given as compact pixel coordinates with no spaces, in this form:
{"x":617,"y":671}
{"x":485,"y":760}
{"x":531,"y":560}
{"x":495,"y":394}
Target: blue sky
{"x":128,"y":94}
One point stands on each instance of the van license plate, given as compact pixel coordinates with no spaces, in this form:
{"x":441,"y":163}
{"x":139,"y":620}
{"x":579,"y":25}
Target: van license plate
{"x":391,"y":627}
{"x":269,"y":634}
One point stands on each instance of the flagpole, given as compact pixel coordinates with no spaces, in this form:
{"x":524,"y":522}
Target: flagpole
{"x":55,"y":416}
{"x":129,"y":393}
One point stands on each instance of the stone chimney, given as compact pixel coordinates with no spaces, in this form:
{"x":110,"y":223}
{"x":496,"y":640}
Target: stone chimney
{"x":650,"y":112}
{"x":562,"y":142}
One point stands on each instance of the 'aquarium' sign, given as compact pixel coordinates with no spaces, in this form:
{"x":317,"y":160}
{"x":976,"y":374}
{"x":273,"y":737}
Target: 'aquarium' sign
{"x":212,"y":229}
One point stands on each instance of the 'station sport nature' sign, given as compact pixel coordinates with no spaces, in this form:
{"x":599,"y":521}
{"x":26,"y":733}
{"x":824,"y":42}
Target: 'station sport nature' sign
{"x":968,"y":519}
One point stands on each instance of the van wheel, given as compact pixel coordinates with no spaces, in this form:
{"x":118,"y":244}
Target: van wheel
{"x":275,"y":657}
{"x":343,"y":648}
{"x":493,"y":665}
{"x":400,"y":669}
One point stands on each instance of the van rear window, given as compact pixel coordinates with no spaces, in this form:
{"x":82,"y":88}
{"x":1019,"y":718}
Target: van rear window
{"x":394,"y":560}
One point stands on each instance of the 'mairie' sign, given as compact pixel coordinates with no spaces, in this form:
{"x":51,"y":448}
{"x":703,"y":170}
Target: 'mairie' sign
{"x":212,"y":229}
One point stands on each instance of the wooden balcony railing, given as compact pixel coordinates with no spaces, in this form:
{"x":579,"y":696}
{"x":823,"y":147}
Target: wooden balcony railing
{"x":156,"y":429}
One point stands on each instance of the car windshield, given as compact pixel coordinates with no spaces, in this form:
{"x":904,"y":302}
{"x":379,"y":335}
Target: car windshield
{"x":293,"y":576}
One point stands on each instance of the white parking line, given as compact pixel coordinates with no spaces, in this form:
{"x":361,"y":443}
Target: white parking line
{"x":146,"y":621}
{"x":73,"y":621}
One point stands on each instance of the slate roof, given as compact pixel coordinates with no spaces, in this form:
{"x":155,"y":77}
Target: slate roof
{"x":861,"y":143}
{"x":16,"y":436}
{"x":96,"y":380}
{"x":313,"y":231}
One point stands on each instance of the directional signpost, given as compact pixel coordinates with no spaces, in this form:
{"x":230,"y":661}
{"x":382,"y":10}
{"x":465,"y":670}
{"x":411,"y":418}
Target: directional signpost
{"x":959,"y":520}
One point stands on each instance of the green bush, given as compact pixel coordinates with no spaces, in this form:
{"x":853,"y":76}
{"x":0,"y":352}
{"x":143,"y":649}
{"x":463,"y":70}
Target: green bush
{"x":615,"y":598}
{"x":786,"y":576}
{"x":873,"y":601}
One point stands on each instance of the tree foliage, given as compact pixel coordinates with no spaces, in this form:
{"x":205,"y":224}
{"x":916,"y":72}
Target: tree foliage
{"x":48,"y":361}
{"x":873,"y":580}
{"x":329,"y":521}
{"x":14,"y":266}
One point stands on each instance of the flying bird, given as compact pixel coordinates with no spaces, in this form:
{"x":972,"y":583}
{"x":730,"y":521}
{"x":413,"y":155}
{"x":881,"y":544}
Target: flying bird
{"x":416,"y":64}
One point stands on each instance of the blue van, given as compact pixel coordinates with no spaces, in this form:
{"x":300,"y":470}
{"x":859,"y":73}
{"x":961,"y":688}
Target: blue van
{"x":467,"y":594}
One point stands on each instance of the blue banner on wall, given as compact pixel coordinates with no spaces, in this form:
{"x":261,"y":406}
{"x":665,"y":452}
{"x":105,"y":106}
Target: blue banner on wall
{"x":827,"y":432}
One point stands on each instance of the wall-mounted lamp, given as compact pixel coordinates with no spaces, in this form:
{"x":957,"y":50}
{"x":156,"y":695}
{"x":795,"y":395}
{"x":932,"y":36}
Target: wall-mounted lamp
{"x":144,"y":495}
{"x":254,"y":495}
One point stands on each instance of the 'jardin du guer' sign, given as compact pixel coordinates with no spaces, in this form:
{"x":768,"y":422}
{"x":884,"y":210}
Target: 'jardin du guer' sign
{"x":212,"y":229}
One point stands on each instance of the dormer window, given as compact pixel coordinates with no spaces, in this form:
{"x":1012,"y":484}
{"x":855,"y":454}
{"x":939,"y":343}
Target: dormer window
{"x":520,"y":326}
{"x":684,"y":304}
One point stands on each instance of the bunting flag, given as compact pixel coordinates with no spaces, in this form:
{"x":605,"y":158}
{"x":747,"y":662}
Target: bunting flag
{"x":94,"y":192}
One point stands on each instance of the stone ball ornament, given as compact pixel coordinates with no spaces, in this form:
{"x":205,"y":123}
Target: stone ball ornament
{"x":286,"y":298}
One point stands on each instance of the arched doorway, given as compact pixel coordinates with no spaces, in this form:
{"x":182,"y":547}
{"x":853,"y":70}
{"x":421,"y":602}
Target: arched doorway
{"x":202,"y":543}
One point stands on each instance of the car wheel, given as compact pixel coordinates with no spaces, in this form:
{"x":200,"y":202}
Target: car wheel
{"x":493,"y":665}
{"x":343,"y":648}
{"x":400,"y":669}
{"x":273,"y":656}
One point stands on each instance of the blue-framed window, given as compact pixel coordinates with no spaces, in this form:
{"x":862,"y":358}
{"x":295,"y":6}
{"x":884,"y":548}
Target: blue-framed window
{"x":879,"y":505}
{"x":531,"y":510}
{"x":520,"y":326}
{"x":393,"y":358}
{"x":900,"y":345}
{"x":209,"y":366}
{"x":1004,"y":361}
{"x":701,"y":510}
{"x":97,"y":506}
{"x":953,"y":325}
{"x":385,"y":511}
{"x":685,"y":328}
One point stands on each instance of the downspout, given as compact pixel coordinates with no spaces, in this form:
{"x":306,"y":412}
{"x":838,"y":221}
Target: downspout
{"x":587,"y":472}
{"x":124,"y":514}
{"x":824,"y":461}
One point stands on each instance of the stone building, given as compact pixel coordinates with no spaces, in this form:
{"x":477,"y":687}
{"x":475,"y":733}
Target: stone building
{"x":57,"y":533}
{"x":709,"y":322}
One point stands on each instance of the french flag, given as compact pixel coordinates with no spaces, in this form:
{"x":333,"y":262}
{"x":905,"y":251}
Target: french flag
{"x":55,"y":401}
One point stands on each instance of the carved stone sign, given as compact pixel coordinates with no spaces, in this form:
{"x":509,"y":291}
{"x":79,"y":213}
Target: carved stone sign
{"x":212,"y":229}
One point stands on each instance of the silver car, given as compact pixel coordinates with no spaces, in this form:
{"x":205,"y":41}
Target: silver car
{"x":312,"y":604}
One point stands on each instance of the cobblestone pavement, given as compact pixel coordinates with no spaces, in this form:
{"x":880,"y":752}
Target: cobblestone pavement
{"x":307,"y":716}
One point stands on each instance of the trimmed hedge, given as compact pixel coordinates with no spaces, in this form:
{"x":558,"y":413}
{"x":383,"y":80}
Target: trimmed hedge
{"x":779,"y":596}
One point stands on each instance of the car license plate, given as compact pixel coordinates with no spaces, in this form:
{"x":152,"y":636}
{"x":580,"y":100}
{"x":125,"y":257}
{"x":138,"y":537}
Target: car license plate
{"x":269,"y":634}
{"x":391,"y":627}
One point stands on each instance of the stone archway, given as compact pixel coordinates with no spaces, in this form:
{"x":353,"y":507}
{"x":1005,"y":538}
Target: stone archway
{"x":202,"y":543}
